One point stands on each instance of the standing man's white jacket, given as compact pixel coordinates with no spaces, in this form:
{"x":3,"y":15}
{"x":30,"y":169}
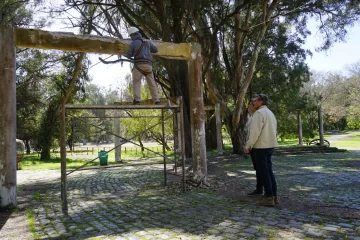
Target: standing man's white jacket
{"x":262,"y":129}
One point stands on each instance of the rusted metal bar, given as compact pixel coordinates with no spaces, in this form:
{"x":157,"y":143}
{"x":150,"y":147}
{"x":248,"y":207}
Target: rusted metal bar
{"x":35,"y":38}
{"x":117,"y":139}
{"x":70,"y":106}
{"x":163,"y":148}
{"x":63,"y":158}
{"x":125,"y":141}
{"x":7,"y":117}
{"x":147,"y":129}
{"x":218,"y":129}
{"x":72,"y":135}
{"x":182,"y":134}
{"x":197,"y":112}
{"x":121,"y":117}
{"x":176,"y":143}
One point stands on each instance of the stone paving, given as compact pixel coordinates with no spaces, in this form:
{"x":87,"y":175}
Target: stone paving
{"x":131,"y":203}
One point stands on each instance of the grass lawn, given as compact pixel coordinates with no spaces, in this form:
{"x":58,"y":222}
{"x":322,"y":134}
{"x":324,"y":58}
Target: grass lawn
{"x":33,"y":162}
{"x":133,"y":155}
{"x":79,"y":158}
{"x":351,"y":142}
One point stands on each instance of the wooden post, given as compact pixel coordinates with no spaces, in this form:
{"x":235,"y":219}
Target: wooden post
{"x":163,"y":140}
{"x":63,"y":158}
{"x":321,"y":125}
{"x":197,"y":113}
{"x":117,"y":139}
{"x":218,"y":129}
{"x":300,"y":128}
{"x":7,"y":118}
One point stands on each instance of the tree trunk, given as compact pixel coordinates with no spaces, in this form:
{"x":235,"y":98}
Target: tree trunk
{"x":238,"y":134}
{"x":45,"y":151}
{"x":70,"y":143}
{"x":142,"y":147}
{"x":210,"y":131}
{"x":27,"y":146}
{"x":47,"y":129}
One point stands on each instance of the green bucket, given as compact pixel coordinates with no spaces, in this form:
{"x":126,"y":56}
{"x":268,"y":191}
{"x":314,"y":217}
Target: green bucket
{"x":103,"y":156}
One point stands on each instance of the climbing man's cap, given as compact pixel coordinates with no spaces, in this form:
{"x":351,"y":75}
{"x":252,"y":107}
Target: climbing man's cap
{"x":132,"y":30}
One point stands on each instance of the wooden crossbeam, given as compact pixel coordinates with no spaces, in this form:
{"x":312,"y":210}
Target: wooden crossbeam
{"x":34,"y":38}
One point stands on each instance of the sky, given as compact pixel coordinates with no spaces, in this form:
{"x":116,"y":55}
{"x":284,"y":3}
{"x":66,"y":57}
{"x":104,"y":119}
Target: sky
{"x":108,"y":75}
{"x":339,"y":56}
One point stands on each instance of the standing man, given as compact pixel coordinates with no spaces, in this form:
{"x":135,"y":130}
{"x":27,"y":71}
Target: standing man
{"x":141,"y":50}
{"x":259,"y":188}
{"x":261,"y":142}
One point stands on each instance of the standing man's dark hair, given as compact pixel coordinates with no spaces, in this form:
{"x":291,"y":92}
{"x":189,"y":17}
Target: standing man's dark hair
{"x":141,"y":50}
{"x":261,"y":142}
{"x":263,"y":98}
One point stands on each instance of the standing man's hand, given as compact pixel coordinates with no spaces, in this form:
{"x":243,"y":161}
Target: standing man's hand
{"x":246,"y":150}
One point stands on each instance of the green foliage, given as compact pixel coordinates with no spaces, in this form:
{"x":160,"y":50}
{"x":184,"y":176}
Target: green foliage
{"x":15,"y":13}
{"x":58,"y":87}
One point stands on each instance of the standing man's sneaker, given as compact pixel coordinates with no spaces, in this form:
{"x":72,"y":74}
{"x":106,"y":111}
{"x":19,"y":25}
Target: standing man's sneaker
{"x":276,"y":199}
{"x":157,"y":103}
{"x":135,"y":102}
{"x":266,"y":201}
{"x":255,"y":193}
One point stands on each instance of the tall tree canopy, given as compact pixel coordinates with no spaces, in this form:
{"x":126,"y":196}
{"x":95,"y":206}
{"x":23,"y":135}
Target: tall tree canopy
{"x":238,"y":40}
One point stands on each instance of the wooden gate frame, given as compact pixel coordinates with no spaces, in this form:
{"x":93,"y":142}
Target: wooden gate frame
{"x":33,"y":38}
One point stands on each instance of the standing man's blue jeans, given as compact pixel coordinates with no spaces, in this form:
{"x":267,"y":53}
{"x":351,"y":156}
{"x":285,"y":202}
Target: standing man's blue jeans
{"x":264,"y":166}
{"x":259,"y":185}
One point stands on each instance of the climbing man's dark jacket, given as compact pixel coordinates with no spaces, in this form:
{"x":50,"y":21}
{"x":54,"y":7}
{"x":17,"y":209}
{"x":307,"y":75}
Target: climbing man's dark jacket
{"x":141,"y":49}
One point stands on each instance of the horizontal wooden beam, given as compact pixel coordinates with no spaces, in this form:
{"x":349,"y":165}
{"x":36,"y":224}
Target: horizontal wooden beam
{"x":34,"y":38}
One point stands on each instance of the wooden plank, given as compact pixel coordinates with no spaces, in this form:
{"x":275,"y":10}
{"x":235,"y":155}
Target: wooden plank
{"x":34,"y":38}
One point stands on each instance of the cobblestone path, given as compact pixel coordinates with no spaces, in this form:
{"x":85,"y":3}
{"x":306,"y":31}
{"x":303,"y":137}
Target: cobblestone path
{"x":131,"y":203}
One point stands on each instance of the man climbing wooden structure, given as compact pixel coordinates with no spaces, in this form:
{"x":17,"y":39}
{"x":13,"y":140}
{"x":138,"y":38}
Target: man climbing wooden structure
{"x":31,"y":38}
